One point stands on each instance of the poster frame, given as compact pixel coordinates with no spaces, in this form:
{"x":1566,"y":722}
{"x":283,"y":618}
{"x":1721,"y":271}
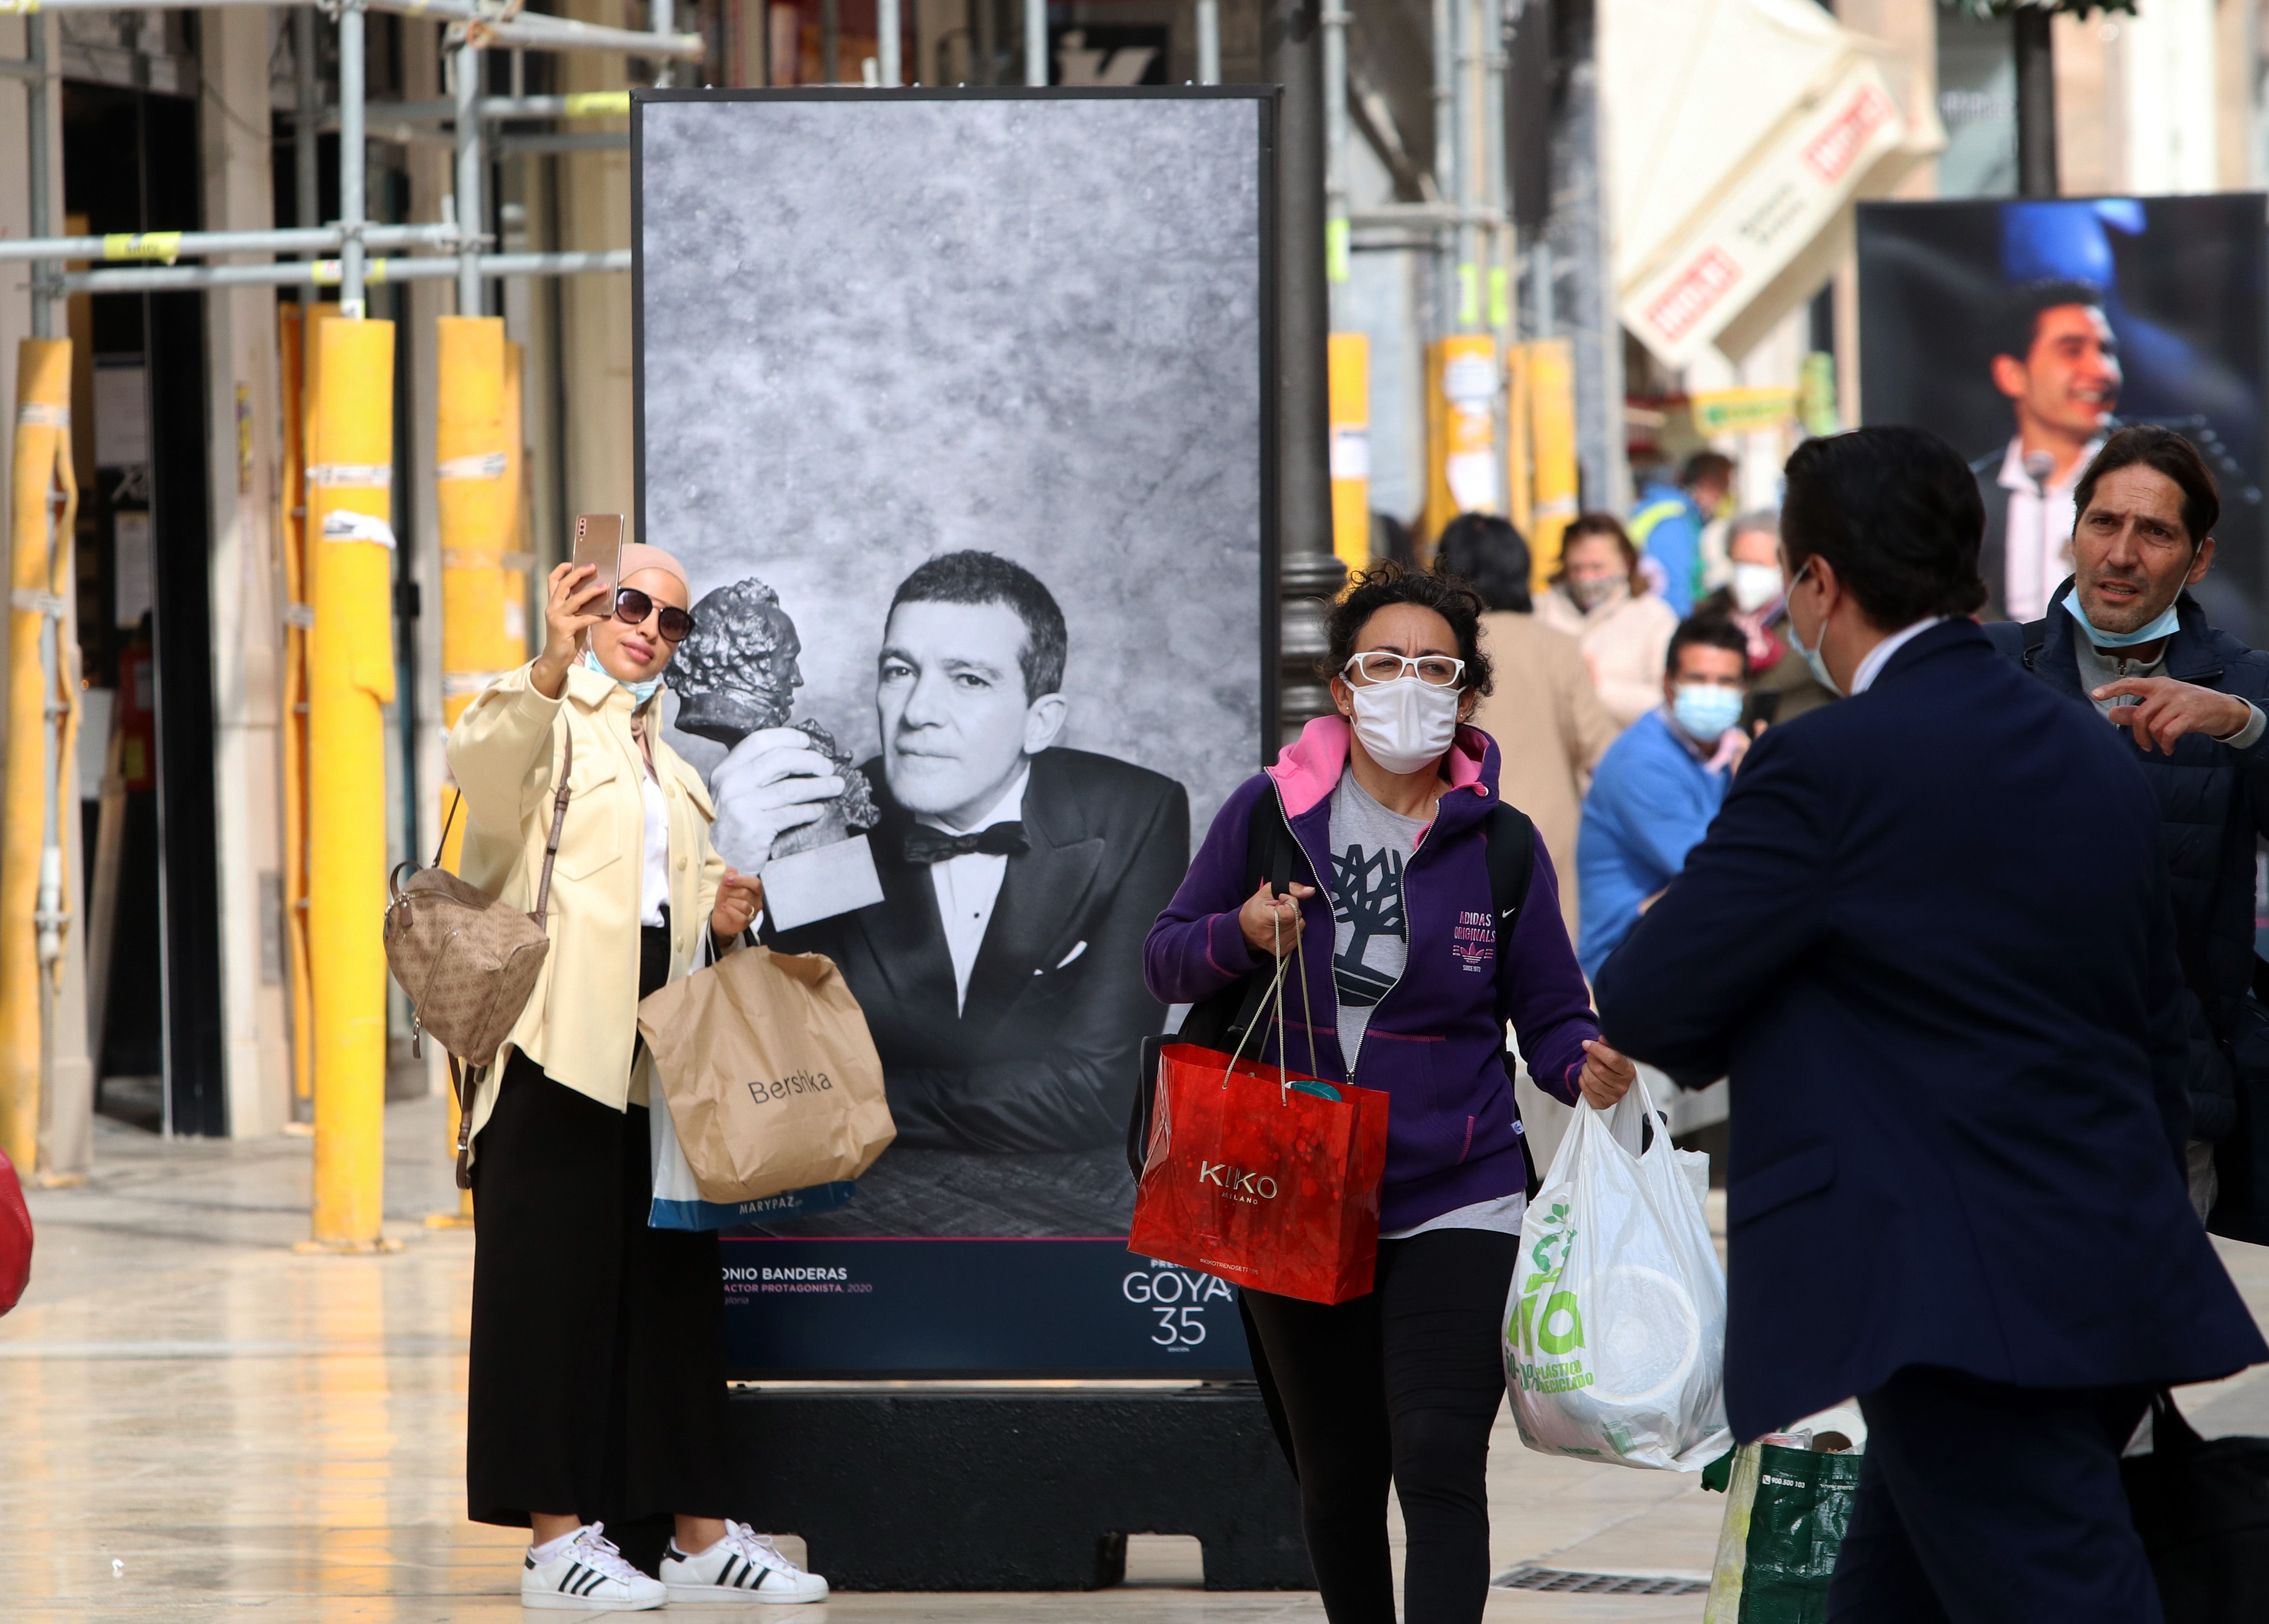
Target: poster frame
{"x":1268,"y":99}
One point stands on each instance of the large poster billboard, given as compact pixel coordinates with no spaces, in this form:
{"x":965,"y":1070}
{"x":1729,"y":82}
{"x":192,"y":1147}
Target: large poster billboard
{"x":953,"y":404}
{"x":2025,"y":331}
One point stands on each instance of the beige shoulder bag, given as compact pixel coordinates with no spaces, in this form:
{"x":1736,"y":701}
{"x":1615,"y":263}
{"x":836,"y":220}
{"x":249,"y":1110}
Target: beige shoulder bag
{"x":467,"y":963}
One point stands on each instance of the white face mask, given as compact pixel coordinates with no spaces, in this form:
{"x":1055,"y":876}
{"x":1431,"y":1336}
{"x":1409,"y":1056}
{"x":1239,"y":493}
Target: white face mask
{"x":1753,"y":586}
{"x":1405,"y":724}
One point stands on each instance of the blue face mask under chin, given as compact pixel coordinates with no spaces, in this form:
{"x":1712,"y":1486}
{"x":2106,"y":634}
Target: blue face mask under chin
{"x":2163,"y":624}
{"x":641,"y":692}
{"x":1810,"y":656}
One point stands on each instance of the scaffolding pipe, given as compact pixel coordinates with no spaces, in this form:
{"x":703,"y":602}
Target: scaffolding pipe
{"x":581,"y":104}
{"x":1335,"y":19}
{"x":35,"y":106}
{"x":532,"y":30}
{"x":1463,"y":161}
{"x":1496,"y":190}
{"x":332,"y":273}
{"x":886,"y":42}
{"x":471,"y":214}
{"x":171,"y":246}
{"x":353,"y":160}
{"x":1445,"y":163}
{"x":1208,"y":42}
{"x":664,"y":14}
{"x":1036,"y":41}
{"x":306,"y":141}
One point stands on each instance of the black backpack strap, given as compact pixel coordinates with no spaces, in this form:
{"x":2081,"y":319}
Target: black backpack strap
{"x":1511,"y":838}
{"x":2036,"y":635}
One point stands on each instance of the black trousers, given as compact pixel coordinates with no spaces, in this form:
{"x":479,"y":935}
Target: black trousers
{"x":1983,"y":1503}
{"x":1401,"y":1386}
{"x":598,"y":1362}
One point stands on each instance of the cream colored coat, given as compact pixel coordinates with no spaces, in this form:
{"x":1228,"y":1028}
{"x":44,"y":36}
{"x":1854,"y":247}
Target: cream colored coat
{"x":1625,"y":642}
{"x":580,"y":1024}
{"x":1550,"y":730}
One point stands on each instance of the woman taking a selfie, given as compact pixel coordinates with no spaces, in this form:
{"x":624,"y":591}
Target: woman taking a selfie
{"x":1389,"y":800}
{"x":598,"y":1381}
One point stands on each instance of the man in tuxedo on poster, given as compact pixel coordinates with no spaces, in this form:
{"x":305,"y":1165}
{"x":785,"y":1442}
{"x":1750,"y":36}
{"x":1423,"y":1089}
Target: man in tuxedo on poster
{"x":1001,"y":974}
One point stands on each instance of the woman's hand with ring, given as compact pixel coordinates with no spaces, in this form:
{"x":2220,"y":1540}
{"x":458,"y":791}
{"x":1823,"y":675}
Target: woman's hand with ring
{"x":739,"y":897}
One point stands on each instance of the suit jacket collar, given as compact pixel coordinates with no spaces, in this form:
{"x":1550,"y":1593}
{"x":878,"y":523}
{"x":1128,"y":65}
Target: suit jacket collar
{"x":1960,"y":632}
{"x":1043,"y":894}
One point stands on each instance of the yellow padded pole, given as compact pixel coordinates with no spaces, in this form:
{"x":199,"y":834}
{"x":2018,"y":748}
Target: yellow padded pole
{"x":1552,"y":449}
{"x":41,"y":472}
{"x":350,"y":676}
{"x":1349,"y":364}
{"x":475,"y":476}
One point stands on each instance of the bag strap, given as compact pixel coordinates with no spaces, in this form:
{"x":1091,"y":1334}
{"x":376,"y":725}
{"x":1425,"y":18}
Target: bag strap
{"x":1510,"y":838}
{"x":551,"y":846}
{"x":442,"y":845}
{"x":463,"y":1080}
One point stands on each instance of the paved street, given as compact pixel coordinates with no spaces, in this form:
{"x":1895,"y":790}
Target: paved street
{"x":195,"y":1419}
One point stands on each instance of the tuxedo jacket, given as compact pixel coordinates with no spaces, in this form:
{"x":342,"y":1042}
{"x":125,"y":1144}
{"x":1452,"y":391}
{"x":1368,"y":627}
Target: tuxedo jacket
{"x":1042,"y":1056}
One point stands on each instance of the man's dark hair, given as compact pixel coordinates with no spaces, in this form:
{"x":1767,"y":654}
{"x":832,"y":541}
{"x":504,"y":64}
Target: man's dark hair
{"x":1895,"y":511}
{"x":974,"y":578}
{"x":1714,"y":466}
{"x":2167,"y":452}
{"x":2020,"y":323}
{"x":1370,"y":591}
{"x":1486,"y":553}
{"x":1707,"y":631}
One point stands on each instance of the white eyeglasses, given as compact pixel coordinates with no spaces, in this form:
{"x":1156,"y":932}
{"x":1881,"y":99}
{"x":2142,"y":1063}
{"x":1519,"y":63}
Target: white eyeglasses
{"x":1434,"y":670}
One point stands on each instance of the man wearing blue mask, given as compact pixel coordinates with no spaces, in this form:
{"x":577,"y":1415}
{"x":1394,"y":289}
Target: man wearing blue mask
{"x":2123,"y":634}
{"x":1659,"y":784}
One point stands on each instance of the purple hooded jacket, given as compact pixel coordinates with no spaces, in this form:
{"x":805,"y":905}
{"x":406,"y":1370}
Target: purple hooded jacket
{"x":1434,"y":1046}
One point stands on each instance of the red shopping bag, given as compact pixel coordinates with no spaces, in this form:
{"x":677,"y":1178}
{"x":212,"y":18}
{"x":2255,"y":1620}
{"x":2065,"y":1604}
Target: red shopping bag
{"x":1252,"y":1178}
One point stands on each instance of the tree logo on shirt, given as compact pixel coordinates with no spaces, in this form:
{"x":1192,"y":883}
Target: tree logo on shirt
{"x":1367,"y":897}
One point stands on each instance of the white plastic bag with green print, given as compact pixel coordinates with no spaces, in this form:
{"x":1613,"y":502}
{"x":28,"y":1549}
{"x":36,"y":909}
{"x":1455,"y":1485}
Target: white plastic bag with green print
{"x":1615,"y":1334}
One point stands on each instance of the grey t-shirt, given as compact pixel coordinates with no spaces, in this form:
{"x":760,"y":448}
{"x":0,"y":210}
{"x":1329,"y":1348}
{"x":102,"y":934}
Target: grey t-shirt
{"x":1369,"y":943}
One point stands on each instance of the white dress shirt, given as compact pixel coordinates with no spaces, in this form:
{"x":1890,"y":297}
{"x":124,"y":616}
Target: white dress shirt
{"x":968,"y":886}
{"x":2037,"y":535}
{"x":1878,"y":657}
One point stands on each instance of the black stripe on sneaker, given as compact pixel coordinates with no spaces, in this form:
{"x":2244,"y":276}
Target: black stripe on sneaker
{"x":591,"y":1581}
{"x":530,"y":1562}
{"x":725,"y":1574}
{"x":568,"y":1579}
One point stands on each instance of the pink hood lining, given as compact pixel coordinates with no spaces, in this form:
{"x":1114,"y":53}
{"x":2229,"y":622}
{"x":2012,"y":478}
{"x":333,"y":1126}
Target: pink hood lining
{"x":1308,"y":768}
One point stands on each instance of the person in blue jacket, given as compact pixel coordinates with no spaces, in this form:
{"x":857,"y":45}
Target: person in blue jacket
{"x":1659,"y":784}
{"x":1928,"y":938}
{"x":1667,"y":521}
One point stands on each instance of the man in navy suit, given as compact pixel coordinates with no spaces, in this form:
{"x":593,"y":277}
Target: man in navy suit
{"x":1928,"y":938}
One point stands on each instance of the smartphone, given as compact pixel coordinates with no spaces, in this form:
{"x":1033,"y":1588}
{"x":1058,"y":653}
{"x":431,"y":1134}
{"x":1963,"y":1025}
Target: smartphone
{"x":599,"y":543}
{"x":1760,"y":709}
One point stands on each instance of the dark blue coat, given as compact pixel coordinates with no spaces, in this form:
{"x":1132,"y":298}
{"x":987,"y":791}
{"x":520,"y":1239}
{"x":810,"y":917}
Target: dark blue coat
{"x":2213,"y":800}
{"x":1928,"y":939}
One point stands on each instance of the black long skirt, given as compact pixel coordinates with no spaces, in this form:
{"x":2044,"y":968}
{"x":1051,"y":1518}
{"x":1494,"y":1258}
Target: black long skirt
{"x":598,"y":1364}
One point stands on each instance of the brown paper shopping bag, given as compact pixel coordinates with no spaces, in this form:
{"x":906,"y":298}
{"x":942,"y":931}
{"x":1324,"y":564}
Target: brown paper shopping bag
{"x":771,"y":1079}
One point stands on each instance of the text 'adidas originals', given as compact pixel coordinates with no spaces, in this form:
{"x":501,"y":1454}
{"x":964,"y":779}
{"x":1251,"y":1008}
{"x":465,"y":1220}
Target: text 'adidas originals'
{"x":744,"y":1565}
{"x":588,"y":1575}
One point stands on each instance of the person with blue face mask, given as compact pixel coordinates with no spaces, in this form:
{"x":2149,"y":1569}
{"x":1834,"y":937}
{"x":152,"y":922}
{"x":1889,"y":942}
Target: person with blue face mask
{"x":2125,"y":635}
{"x":1659,"y":784}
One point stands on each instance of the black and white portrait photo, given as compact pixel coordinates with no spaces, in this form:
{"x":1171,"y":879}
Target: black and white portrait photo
{"x":975,"y":522}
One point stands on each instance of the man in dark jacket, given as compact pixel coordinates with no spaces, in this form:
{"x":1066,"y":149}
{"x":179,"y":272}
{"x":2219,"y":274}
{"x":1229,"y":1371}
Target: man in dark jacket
{"x":2124,"y":635}
{"x":1927,"y":938}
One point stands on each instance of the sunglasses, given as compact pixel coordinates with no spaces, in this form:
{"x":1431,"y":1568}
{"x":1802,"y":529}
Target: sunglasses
{"x":631,"y":608}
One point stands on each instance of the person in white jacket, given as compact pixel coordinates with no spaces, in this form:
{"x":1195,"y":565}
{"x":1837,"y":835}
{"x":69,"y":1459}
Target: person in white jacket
{"x":597,"y":1380}
{"x":1602,"y":599}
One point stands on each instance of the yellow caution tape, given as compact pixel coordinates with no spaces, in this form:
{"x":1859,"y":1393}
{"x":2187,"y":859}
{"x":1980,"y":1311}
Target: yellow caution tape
{"x":597,"y":103}
{"x":165,"y":246}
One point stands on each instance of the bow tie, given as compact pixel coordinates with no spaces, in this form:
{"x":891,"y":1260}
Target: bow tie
{"x":924,"y":845}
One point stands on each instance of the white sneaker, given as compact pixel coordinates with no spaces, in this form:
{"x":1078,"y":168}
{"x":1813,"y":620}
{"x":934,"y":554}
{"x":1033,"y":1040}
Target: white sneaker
{"x":589,"y":1576}
{"x":744,"y":1565}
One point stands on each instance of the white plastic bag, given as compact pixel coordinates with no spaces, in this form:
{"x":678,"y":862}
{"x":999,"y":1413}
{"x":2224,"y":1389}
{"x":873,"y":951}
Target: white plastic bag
{"x":1615,"y":1334}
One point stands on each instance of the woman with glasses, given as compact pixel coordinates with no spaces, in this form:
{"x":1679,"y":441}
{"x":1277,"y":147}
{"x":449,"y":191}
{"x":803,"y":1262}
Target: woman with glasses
{"x":1410,"y":977}
{"x":597,"y":1388}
